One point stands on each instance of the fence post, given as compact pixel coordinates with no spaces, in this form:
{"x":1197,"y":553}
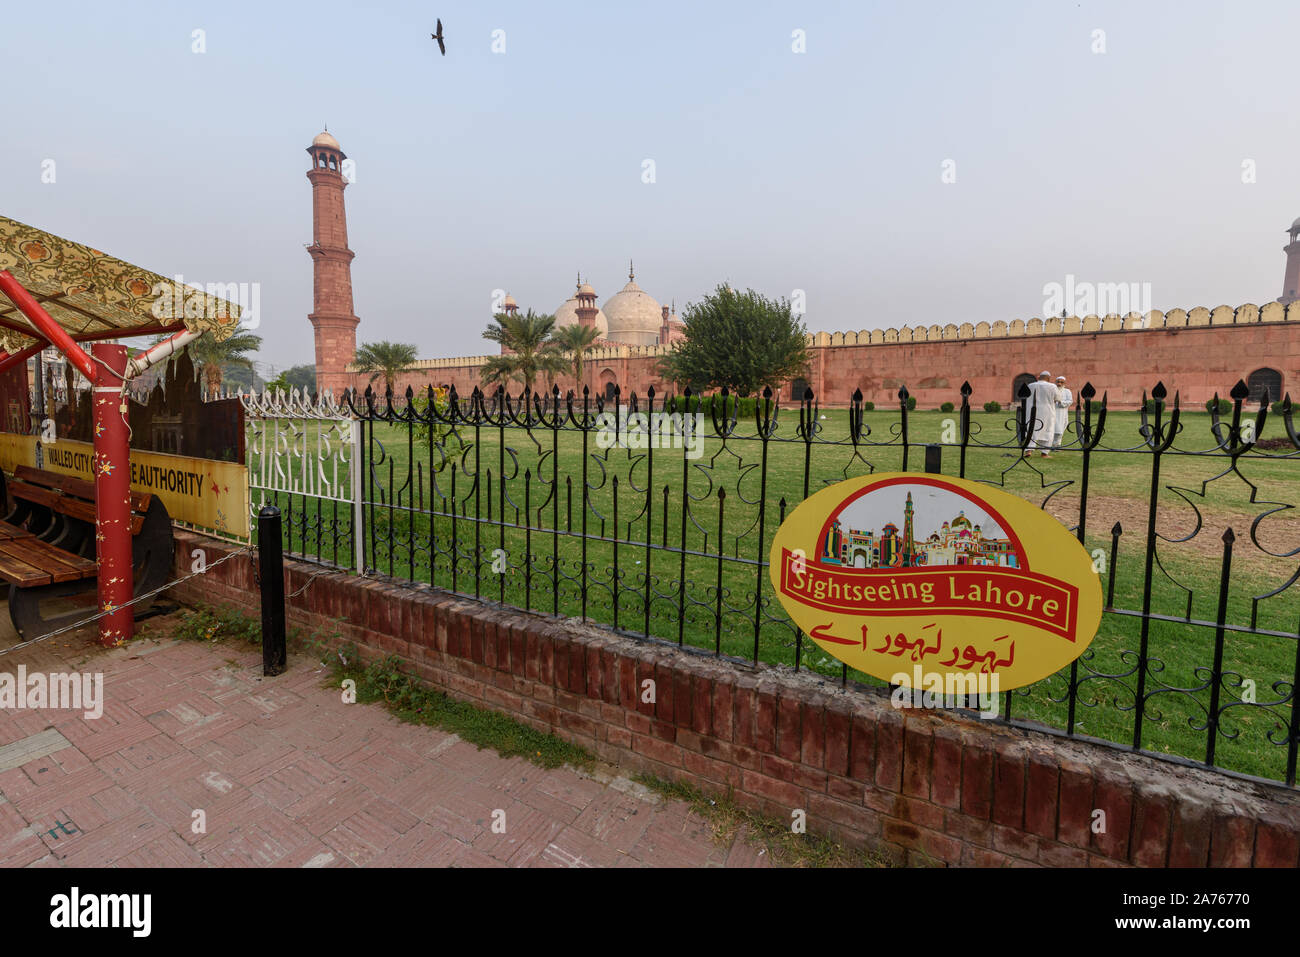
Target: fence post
{"x":270,"y":555}
{"x":934,"y":458}
{"x":358,"y":499}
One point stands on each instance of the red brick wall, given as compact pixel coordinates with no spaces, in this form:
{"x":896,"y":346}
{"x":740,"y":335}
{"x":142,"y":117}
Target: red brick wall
{"x":1194,"y":361}
{"x":918,"y":787}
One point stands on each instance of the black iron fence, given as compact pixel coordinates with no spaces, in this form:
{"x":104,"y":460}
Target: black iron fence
{"x":655,"y":517}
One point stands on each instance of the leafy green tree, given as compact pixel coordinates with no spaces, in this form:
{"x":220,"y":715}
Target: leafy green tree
{"x":741,"y":341}
{"x":212,"y":359}
{"x":301,"y":377}
{"x":575,"y":340}
{"x":279,"y":384}
{"x":530,"y":349}
{"x":387,"y":359}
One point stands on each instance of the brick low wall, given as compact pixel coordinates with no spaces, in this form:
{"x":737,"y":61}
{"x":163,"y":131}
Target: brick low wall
{"x":917,"y":786}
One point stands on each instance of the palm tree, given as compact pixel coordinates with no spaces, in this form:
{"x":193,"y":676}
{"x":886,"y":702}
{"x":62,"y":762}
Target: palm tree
{"x":528,"y":349}
{"x":386,"y":359}
{"x":575,"y":339}
{"x":212,"y":357}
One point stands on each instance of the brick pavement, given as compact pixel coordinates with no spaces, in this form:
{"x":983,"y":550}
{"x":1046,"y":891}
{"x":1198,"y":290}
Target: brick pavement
{"x":287,"y":775}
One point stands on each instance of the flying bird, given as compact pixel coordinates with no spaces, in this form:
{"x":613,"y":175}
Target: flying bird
{"x":438,"y":36}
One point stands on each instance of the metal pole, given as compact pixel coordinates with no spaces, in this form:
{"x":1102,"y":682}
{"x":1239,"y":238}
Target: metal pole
{"x":270,"y":563}
{"x":934,"y":458}
{"x":38,"y":407}
{"x":112,"y":468}
{"x":358,"y":501}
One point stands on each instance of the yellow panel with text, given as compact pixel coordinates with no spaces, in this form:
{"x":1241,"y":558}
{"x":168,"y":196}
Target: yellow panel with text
{"x":201,"y":492}
{"x":922,"y":580}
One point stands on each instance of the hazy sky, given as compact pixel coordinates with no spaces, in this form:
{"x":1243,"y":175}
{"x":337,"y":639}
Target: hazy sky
{"x":776,"y":170}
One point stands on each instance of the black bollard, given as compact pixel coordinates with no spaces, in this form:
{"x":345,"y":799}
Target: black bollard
{"x":934,"y":458}
{"x":270,"y":561}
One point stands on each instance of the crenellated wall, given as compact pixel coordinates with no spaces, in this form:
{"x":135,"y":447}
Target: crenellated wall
{"x":1196,"y":352}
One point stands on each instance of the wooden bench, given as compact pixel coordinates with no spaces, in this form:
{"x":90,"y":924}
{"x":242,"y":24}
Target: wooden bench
{"x":47,"y":545}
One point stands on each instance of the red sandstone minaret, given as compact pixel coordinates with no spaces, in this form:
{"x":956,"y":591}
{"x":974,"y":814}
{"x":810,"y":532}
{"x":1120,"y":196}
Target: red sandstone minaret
{"x":332,"y":318}
{"x":586,"y":305}
{"x":1291,"y":279}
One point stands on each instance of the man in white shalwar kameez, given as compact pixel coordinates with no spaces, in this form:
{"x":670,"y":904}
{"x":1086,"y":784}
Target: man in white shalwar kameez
{"x":1040,"y":414}
{"x":1064,"y":399}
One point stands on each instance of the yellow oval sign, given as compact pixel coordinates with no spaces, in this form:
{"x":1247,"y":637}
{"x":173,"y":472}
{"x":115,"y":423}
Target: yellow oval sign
{"x":926,"y":581}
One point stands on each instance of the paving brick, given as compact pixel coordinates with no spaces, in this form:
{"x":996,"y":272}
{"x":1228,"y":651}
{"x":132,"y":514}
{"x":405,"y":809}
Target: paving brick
{"x":287,"y":775}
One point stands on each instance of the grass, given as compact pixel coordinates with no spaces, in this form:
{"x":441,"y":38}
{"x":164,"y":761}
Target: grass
{"x":414,"y":703}
{"x":784,"y":846}
{"x":706,"y":594}
{"x":213,"y":625}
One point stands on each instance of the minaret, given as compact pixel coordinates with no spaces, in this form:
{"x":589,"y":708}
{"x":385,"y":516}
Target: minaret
{"x":1291,"y":278}
{"x":586,"y":306}
{"x":331,"y":317}
{"x":909,"y":546}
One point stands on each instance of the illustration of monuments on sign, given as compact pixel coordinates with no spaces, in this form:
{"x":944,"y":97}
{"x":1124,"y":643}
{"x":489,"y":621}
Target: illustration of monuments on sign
{"x":946,"y":529}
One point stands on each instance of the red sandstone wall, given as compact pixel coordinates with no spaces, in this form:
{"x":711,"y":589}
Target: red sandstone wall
{"x":1194,"y":361}
{"x":919,"y":787}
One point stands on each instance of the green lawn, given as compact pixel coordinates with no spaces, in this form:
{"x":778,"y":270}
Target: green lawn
{"x":570,"y":554}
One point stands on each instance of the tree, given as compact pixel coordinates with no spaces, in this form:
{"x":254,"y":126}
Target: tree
{"x":575,"y":339}
{"x":302,"y":378}
{"x":530,"y":349}
{"x":387,"y":359}
{"x":279,"y":384}
{"x":740,"y":341}
{"x":213,"y":358}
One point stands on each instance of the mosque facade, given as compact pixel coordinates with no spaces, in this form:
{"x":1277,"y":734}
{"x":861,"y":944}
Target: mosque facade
{"x":1196,"y":353}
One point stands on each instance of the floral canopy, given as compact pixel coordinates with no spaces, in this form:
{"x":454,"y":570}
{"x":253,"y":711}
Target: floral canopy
{"x":89,"y":293}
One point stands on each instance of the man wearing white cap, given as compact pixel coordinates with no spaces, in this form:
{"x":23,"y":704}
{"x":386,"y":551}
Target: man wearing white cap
{"x":1064,"y":399}
{"x":1040,"y":414}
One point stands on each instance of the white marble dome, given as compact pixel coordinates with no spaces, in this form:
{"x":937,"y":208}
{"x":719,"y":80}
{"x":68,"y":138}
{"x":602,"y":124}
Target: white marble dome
{"x":634,"y":316}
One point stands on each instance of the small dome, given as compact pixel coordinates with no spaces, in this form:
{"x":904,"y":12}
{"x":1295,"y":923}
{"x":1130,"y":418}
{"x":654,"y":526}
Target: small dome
{"x":325,"y":139}
{"x":510,"y":301}
{"x":586,"y":290}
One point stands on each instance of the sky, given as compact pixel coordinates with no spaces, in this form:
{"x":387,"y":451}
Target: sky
{"x":1161,"y":151}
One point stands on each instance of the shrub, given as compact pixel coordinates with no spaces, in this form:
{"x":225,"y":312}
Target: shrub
{"x":868,"y":406}
{"x":741,"y":408}
{"x":992,"y":406}
{"x":911,"y":402}
{"x":452,"y":443}
{"x":1277,"y":407}
{"x":1225,"y":406}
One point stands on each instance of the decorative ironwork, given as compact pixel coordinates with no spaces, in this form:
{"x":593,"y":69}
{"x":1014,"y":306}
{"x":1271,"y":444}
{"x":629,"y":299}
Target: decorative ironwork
{"x":302,"y":458}
{"x":655,"y":515}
